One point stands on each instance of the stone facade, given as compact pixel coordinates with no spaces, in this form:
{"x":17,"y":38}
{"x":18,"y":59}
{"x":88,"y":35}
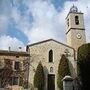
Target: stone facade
{"x":13,"y":69}
{"x":40,"y":52}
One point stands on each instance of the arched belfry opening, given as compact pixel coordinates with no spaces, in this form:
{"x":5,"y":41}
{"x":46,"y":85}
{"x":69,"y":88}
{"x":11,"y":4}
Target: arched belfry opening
{"x":76,"y":20}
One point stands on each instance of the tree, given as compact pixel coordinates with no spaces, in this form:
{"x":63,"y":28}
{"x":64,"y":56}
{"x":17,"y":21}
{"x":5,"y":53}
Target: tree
{"x":39,"y":77}
{"x":63,"y":70}
{"x":83,"y":63}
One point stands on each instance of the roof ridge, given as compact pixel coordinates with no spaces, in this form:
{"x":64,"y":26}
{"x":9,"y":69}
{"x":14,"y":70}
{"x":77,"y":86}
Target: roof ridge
{"x":47,"y":41}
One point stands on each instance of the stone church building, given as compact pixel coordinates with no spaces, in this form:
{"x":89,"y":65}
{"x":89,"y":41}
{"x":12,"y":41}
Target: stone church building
{"x":49,"y":52}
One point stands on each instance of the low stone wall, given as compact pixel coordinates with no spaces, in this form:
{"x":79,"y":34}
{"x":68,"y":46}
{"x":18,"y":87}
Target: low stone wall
{"x":16,"y":87}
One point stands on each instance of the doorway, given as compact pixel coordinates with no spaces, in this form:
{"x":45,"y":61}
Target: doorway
{"x":51,"y":82}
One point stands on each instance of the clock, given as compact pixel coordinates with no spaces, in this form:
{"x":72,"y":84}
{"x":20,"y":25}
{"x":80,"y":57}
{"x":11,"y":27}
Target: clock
{"x":78,"y":35}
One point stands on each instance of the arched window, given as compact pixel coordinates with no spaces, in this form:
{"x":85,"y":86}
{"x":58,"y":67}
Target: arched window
{"x":76,"y":20}
{"x":50,"y":56}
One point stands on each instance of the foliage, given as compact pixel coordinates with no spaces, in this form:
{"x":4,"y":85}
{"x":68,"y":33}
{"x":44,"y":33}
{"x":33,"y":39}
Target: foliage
{"x":63,"y":70}
{"x":83,"y":63}
{"x":6,"y":73}
{"x":39,"y":77}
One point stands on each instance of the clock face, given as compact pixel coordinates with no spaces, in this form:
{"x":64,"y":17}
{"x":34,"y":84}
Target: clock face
{"x":79,"y":36}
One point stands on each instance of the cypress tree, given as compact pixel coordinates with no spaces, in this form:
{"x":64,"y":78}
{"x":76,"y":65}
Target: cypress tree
{"x":63,"y":70}
{"x":83,"y":63}
{"x":39,"y":77}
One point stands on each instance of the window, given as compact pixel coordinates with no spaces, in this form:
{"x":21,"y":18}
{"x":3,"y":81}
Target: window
{"x":15,"y":81}
{"x":17,"y":56}
{"x":50,"y":56}
{"x":76,"y":20}
{"x":17,"y":65}
{"x":10,"y":81}
{"x":68,"y":22}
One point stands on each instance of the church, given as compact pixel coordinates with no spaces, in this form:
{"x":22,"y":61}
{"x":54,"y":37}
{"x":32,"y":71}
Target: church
{"x":49,"y":51}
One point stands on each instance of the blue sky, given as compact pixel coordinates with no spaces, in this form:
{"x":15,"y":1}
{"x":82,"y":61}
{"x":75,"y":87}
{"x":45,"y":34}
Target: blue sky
{"x":26,"y":21}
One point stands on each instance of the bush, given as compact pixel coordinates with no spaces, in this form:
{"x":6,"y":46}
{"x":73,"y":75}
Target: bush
{"x":39,"y":77}
{"x":83,"y":63}
{"x":63,"y":70}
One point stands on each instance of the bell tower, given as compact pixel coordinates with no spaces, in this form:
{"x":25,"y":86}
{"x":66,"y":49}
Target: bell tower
{"x":75,"y":28}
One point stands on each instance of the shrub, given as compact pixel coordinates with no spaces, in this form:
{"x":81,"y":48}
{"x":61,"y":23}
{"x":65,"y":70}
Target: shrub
{"x":39,"y":77}
{"x":63,"y":70}
{"x":83,"y":63}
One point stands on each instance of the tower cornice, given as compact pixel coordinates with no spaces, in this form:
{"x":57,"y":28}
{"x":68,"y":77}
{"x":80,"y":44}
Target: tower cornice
{"x":74,"y":29}
{"x":73,"y":13}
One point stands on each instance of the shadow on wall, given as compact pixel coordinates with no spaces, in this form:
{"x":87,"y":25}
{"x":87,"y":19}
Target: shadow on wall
{"x":45,"y":73}
{"x":72,"y":70}
{"x":76,"y":81}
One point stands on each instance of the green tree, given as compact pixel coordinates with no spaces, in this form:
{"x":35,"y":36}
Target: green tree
{"x":83,"y":63}
{"x":63,"y":70}
{"x":39,"y":77}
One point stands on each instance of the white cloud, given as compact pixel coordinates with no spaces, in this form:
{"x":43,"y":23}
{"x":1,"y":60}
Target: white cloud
{"x":3,"y":23}
{"x":5,"y":10}
{"x":47,"y":21}
{"x":14,"y":43}
{"x":45,"y":25}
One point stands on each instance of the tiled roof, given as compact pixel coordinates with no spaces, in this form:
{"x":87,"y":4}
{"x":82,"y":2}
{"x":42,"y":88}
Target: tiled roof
{"x":7,"y":52}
